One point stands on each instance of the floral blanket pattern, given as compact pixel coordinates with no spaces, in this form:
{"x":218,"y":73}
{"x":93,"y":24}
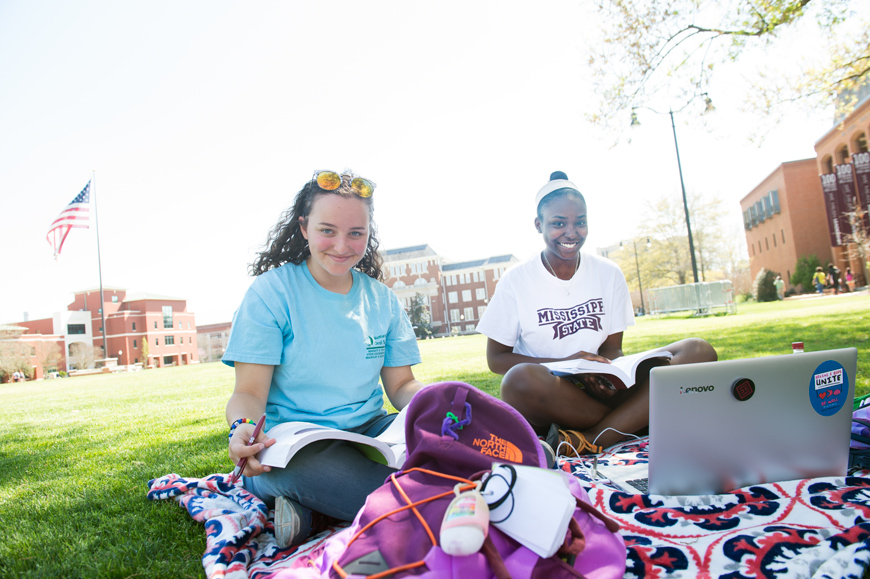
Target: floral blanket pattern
{"x":816,"y":528}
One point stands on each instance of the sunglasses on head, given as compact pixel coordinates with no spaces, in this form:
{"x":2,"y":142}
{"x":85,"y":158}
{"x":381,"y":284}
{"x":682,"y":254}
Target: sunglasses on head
{"x":330,"y":181}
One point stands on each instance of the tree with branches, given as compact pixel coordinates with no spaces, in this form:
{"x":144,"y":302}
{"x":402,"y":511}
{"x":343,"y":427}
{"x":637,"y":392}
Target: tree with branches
{"x":643,"y":49}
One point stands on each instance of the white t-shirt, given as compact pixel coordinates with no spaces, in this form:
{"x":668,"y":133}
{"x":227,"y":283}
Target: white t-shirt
{"x":541,"y":316}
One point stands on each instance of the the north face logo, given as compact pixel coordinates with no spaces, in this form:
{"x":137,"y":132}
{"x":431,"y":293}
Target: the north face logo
{"x":498,"y":448}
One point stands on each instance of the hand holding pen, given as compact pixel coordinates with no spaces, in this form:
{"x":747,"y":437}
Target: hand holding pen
{"x":243,"y":462}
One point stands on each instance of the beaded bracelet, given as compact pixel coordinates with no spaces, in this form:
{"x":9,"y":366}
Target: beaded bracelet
{"x":237,"y":422}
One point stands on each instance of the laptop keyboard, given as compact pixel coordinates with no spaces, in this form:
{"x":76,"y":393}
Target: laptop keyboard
{"x":641,"y":484}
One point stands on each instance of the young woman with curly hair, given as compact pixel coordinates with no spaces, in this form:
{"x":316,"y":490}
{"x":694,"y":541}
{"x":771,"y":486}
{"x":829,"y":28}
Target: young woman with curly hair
{"x":315,"y":336}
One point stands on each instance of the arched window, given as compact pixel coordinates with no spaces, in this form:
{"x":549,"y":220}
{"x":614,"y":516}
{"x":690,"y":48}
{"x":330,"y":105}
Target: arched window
{"x":399,"y":284}
{"x":420,"y":281}
{"x":843,"y":155}
{"x":859,"y":143}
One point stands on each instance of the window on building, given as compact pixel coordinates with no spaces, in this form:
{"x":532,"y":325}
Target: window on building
{"x":155,"y":324}
{"x":860,"y":143}
{"x":753,"y":215}
{"x":469,"y":327}
{"x":135,"y":360}
{"x":168,"y":340}
{"x":828,"y":164}
{"x":480,"y":293}
{"x":766,"y":244}
{"x":467,"y":277}
{"x":452,"y":297}
{"x":156,"y":341}
{"x":783,"y":234}
{"x":768,"y":207}
{"x":420,"y":281}
{"x":759,"y":210}
{"x":454,"y":315}
{"x":495,"y":273}
{"x":168,"y":360}
{"x":747,"y":221}
{"x":469,"y":313}
{"x":135,"y":345}
{"x":188,"y":324}
{"x":774,"y":200}
{"x":114,"y":299}
{"x":452,"y":280}
{"x":774,"y":239}
{"x":480,"y":310}
{"x":466,"y":295}
{"x":134,"y":326}
{"x":167,"y":317}
{"x":843,"y":155}
{"x":76,"y":329}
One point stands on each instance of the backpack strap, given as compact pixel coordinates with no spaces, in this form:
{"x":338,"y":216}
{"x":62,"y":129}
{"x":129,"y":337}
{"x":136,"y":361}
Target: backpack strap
{"x":496,"y":563}
{"x":412,"y":506}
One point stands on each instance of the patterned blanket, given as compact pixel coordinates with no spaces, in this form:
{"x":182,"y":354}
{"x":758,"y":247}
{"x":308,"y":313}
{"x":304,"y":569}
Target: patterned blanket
{"x":818,"y":528}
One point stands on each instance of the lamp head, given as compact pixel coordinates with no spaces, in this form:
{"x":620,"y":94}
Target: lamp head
{"x":709,"y":108}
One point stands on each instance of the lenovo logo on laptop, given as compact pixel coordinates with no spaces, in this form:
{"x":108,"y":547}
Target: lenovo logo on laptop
{"x":697,"y":389}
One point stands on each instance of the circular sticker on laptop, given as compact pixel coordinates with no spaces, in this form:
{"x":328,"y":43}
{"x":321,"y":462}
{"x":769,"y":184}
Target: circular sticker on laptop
{"x":829,"y":388}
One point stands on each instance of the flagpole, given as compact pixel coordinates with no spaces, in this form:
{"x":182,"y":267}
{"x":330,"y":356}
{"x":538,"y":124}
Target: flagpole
{"x":99,"y":267}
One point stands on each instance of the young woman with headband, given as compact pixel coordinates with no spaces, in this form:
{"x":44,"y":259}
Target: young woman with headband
{"x":566,"y":304}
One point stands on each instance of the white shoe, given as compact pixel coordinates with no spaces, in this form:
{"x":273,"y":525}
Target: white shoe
{"x":291,"y":526}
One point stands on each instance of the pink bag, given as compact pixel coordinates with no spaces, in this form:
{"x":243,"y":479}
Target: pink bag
{"x":454,"y":433}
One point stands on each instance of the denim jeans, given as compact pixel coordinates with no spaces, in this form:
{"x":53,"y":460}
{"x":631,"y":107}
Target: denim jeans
{"x":329,"y":476}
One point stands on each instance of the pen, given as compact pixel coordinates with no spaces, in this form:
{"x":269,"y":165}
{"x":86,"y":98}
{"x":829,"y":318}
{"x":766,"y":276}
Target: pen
{"x":237,"y":472}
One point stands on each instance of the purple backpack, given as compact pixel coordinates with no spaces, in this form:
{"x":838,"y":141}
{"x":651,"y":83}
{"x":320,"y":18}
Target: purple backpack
{"x":454,"y":433}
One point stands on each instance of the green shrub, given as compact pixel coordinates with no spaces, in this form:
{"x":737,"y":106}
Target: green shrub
{"x":763,"y":288}
{"x":803,"y":272}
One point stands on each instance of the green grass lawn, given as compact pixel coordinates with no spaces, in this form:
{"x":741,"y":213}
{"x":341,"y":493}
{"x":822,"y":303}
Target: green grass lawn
{"x":76,"y":454}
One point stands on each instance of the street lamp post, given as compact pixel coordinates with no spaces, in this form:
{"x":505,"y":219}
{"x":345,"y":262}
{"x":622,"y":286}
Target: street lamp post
{"x":634,"y":122}
{"x":637,"y":265}
{"x":685,"y":203}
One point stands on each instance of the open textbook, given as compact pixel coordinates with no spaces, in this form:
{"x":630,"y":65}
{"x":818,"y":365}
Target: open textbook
{"x":621,"y":372}
{"x":386,"y":448}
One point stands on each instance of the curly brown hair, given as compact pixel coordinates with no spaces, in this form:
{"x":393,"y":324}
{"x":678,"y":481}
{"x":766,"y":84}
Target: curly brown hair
{"x":286,"y":244}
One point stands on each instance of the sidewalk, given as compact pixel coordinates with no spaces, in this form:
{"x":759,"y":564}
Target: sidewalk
{"x":829,"y":293}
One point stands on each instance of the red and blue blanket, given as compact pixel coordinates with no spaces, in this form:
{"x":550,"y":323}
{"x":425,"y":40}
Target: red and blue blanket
{"x":815,"y":528}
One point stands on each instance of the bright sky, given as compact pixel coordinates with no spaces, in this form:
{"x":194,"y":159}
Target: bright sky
{"x":201,"y":121}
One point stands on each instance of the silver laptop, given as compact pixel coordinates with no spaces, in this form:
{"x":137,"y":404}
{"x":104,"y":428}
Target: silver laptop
{"x":719,"y":426}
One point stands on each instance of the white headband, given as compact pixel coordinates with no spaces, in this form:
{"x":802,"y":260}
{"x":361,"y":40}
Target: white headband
{"x":554,"y":185}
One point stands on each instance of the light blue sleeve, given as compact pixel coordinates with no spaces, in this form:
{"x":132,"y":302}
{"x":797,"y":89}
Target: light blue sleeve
{"x":256,"y":336}
{"x":401,"y":344}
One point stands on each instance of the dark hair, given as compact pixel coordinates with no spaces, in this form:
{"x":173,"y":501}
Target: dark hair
{"x":558,"y":194}
{"x":286,"y":243}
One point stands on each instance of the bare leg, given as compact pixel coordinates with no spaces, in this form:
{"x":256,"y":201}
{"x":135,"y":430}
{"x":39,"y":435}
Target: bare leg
{"x":544,"y":399}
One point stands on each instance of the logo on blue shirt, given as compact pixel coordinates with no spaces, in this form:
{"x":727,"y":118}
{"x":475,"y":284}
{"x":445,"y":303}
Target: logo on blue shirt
{"x":375,"y":346}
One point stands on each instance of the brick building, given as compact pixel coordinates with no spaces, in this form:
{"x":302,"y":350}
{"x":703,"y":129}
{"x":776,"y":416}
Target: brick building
{"x":783,"y":218}
{"x":212,"y":340}
{"x":786,"y":215}
{"x":132,"y":320}
{"x":41,"y":352}
{"x":456,"y":293}
{"x":846,"y":144}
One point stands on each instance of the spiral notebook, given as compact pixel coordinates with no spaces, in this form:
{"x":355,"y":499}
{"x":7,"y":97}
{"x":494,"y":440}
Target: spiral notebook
{"x":719,"y":426}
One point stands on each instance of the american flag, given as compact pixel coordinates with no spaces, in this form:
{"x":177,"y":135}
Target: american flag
{"x":76,"y":214}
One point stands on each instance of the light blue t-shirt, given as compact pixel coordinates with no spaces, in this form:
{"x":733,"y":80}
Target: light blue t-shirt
{"x":328,"y":349}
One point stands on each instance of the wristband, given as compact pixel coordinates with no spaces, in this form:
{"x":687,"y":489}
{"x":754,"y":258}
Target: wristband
{"x":237,"y":422}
